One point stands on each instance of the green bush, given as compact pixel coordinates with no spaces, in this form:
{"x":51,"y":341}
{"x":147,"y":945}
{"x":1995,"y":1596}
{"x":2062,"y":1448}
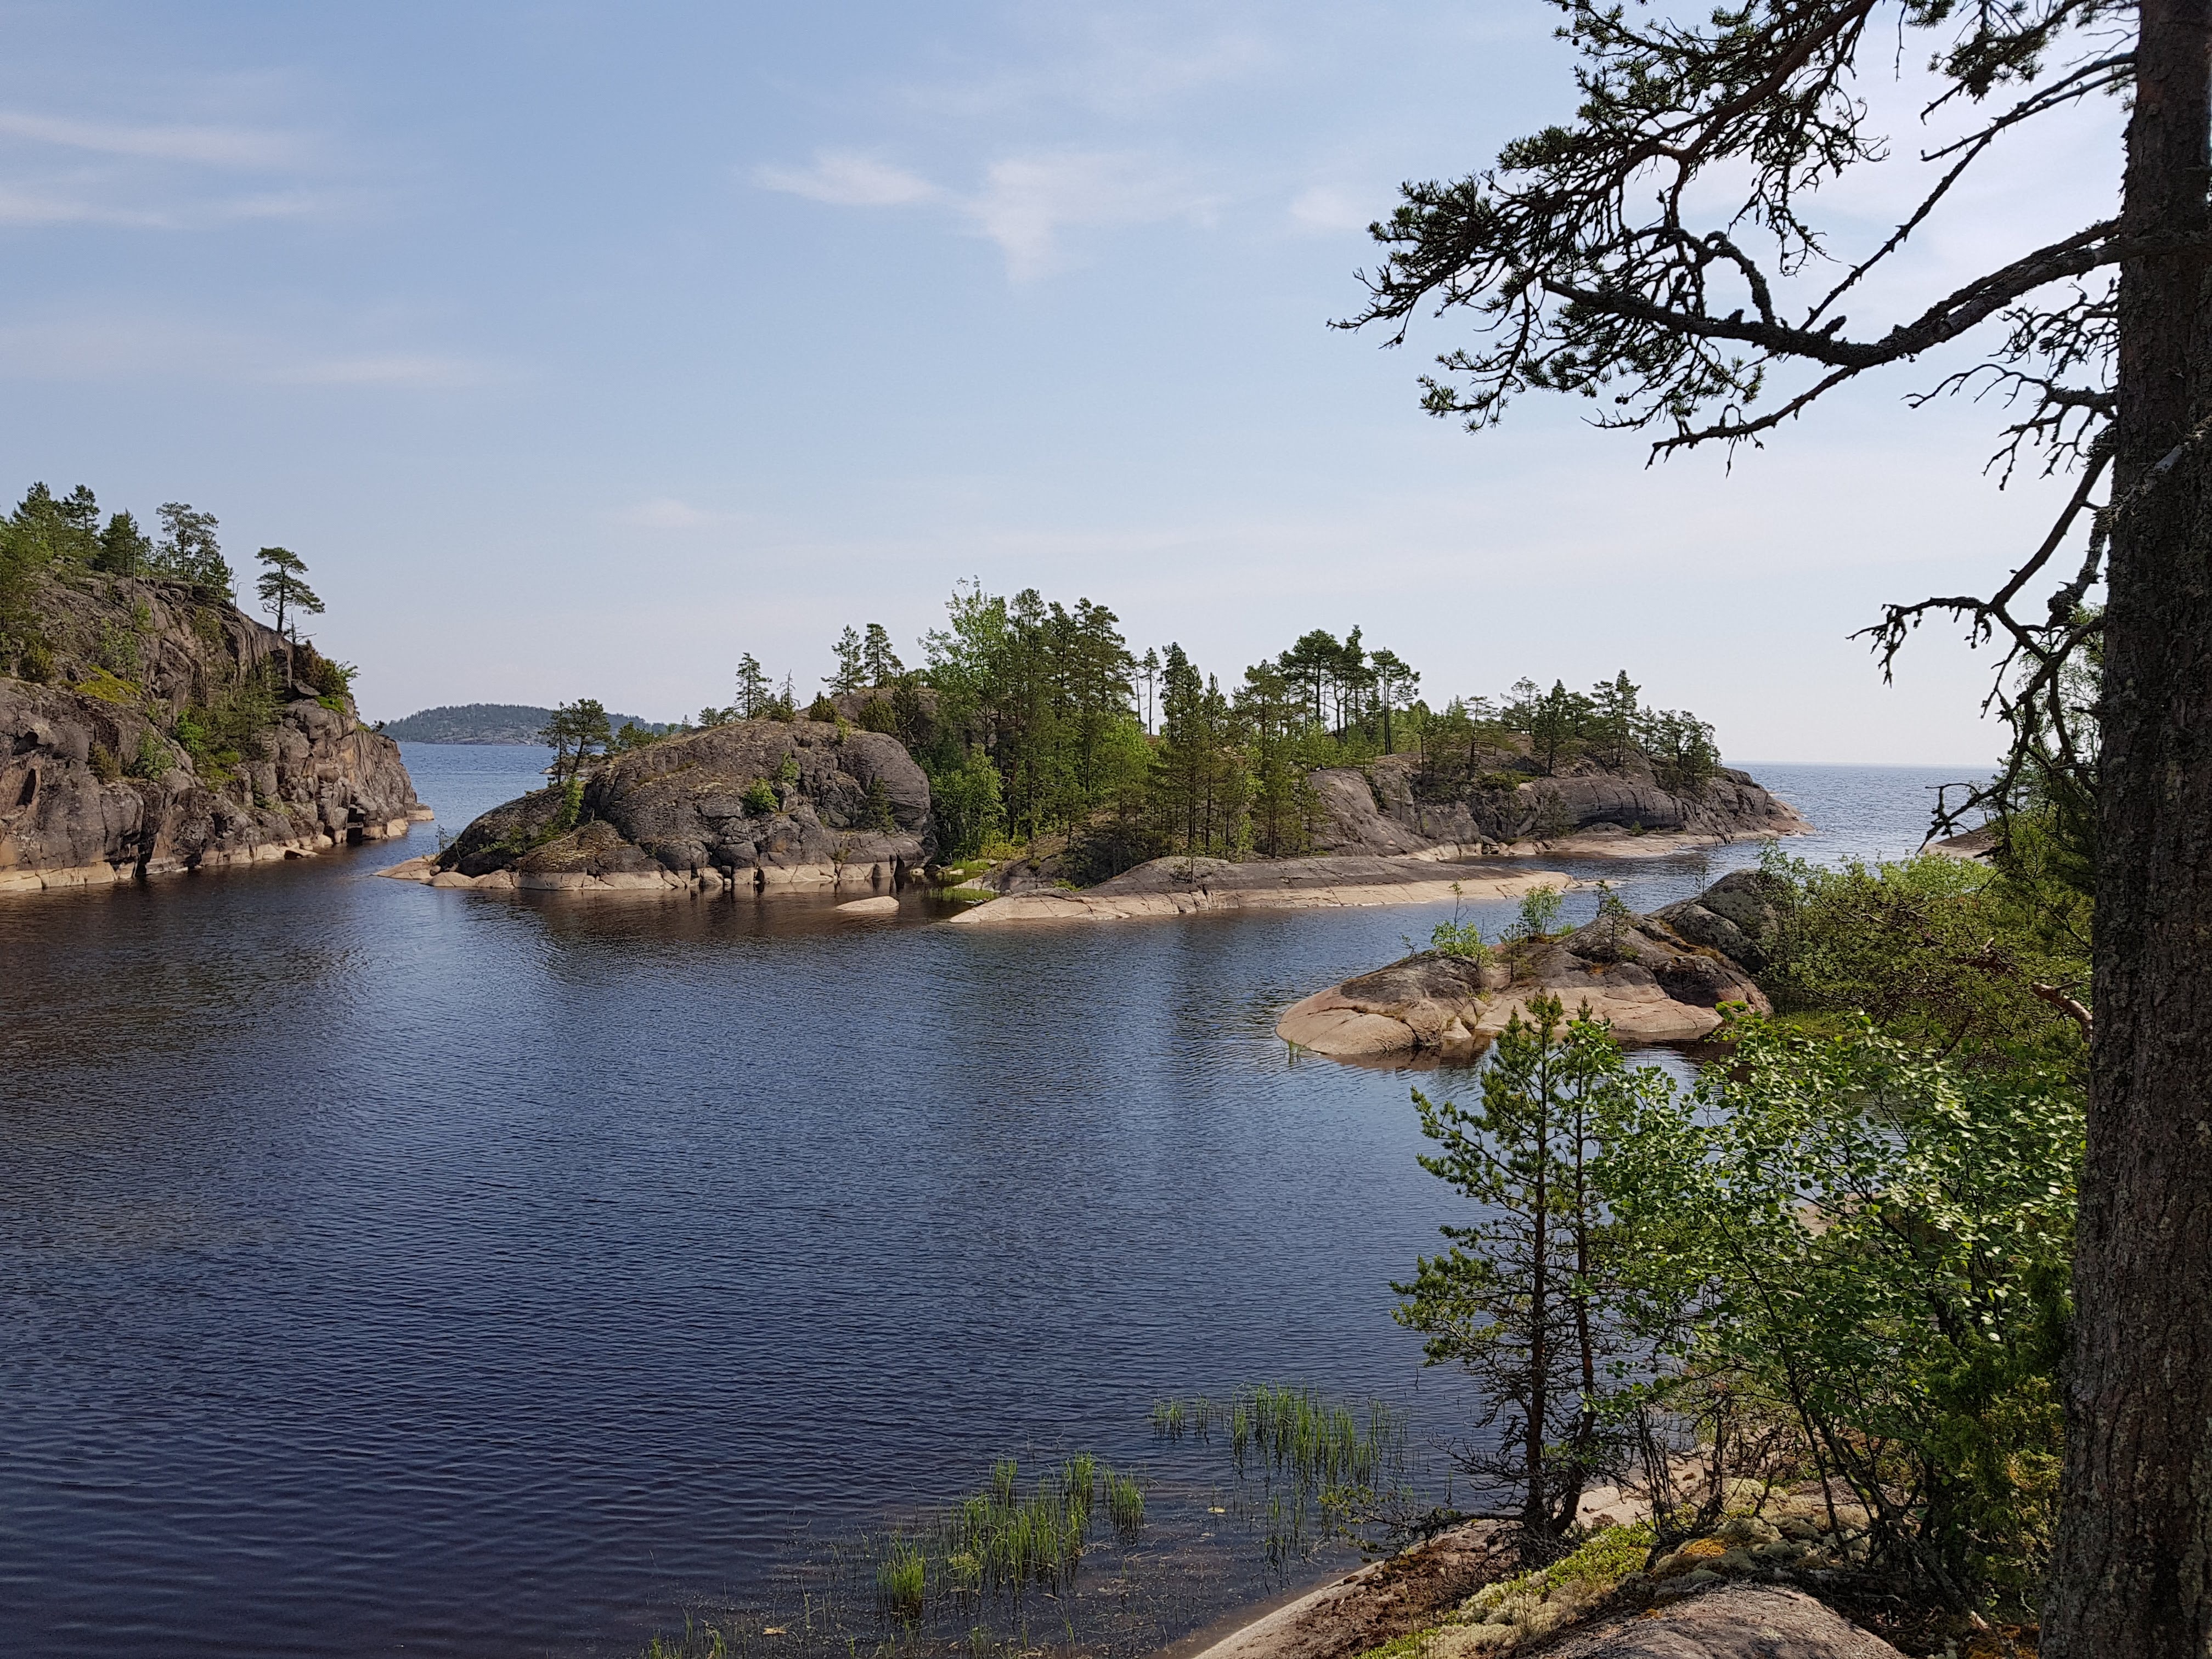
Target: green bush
{"x":1539,"y":913}
{"x":760,"y":797}
{"x":105,"y":766}
{"x":152,"y":756}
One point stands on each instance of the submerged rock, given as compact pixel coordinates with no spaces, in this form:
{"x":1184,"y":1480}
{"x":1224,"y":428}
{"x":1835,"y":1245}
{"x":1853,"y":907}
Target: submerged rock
{"x":762,"y":803}
{"x":1653,"y":983}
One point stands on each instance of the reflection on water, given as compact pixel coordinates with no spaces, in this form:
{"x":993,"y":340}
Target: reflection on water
{"x":384,"y":1267}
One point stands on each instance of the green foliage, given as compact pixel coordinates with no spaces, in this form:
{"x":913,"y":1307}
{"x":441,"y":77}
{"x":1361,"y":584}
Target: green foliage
{"x":1942,"y":952}
{"x":1313,"y":1469}
{"x":1461,"y":936}
{"x":880,"y":664}
{"x":105,"y":765}
{"x":1525,"y":1299}
{"x":152,"y":758}
{"x":753,"y":692}
{"x":125,"y":549}
{"x":999,"y":1542}
{"x":188,"y":551}
{"x":1201,"y":781}
{"x":1872,"y":1244}
{"x":1683,"y":754}
{"x":760,"y":797}
{"x":879,"y":814}
{"x":965,"y":800}
{"x":570,"y":815}
{"x":283,"y":589}
{"x":576,"y":732}
{"x":1538,"y":914}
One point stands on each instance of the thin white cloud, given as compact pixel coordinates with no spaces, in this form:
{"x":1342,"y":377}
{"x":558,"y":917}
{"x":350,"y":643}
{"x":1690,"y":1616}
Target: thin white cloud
{"x":1114,"y":65}
{"x":96,"y":349}
{"x":203,"y":146}
{"x":1024,"y":203}
{"x":1027,"y":201}
{"x":849,"y":179}
{"x":1326,"y":211}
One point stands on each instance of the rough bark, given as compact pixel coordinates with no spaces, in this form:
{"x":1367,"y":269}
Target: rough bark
{"x":2133,"y":1574}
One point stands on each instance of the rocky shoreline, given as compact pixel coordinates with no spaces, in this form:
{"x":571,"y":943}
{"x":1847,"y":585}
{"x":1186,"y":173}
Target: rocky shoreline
{"x":172,"y":734}
{"x":1657,"y":978}
{"x":1180,"y":887}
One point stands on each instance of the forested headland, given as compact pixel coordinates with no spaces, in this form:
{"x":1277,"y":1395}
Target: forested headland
{"x":148,"y":726}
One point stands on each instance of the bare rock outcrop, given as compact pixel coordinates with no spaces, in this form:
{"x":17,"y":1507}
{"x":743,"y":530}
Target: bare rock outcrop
{"x":1650,"y":982}
{"x":170,"y":733}
{"x":759,"y":803}
{"x":1733,"y":1621}
{"x":1391,"y":806}
{"x":1739,"y":915}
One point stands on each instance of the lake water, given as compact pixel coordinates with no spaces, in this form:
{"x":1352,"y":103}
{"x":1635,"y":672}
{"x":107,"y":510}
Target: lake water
{"x":386,"y":1270}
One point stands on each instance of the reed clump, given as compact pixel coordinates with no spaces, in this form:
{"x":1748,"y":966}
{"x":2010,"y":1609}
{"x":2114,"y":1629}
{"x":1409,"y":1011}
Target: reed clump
{"x":1319,"y":1466}
{"x":1000,"y":1540}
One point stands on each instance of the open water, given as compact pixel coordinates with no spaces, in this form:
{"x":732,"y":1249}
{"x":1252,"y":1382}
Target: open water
{"x":392,"y":1271}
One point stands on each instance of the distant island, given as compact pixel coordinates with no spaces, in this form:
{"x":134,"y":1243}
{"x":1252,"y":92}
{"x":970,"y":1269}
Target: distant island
{"x":491,"y":722}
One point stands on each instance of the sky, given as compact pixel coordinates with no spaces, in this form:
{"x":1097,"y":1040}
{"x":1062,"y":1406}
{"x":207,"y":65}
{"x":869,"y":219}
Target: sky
{"x":579,"y":349}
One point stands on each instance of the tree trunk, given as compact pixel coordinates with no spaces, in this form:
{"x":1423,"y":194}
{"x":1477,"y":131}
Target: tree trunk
{"x":2132,"y":1576}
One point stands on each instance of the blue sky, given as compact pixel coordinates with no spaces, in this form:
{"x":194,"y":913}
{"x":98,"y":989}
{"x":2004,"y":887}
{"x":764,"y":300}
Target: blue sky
{"x":579,"y":349}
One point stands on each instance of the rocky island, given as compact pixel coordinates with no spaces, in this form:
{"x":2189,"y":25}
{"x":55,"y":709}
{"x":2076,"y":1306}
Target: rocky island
{"x":1657,"y":978}
{"x":147,"y":727}
{"x":799,"y":804}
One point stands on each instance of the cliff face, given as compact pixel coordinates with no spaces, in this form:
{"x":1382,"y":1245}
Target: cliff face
{"x":1385,"y":808}
{"x":758,"y":804}
{"x":166,"y":734}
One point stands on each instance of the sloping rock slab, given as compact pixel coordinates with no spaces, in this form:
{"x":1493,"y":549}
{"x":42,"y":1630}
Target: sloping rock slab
{"x":1176,"y":887}
{"x":1739,"y":915}
{"x":1739,"y":1621}
{"x":1382,"y":1600}
{"x":851,"y":809}
{"x":1637,"y":972}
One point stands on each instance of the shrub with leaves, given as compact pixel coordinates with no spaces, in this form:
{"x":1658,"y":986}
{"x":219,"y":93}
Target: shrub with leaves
{"x":1870,"y":1244}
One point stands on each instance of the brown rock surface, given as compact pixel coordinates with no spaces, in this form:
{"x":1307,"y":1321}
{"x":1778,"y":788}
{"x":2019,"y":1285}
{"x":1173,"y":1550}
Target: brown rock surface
{"x":1638,"y":972}
{"x":1736,"y":1621}
{"x":1185,"y":886}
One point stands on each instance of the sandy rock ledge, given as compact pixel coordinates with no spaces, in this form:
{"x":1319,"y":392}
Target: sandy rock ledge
{"x":1653,"y":977}
{"x":1182,"y":887}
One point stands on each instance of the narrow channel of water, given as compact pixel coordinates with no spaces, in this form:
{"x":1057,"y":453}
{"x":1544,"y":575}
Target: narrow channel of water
{"x":386,"y":1270}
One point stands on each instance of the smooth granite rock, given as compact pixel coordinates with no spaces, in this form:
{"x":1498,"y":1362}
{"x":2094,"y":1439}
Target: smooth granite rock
{"x":850,"y":809}
{"x":1650,"y":982}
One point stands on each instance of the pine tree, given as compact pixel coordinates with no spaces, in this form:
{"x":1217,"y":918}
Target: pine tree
{"x":1614,"y":712}
{"x":188,"y":550}
{"x":880,"y":664}
{"x":752,"y":688}
{"x":847,"y":677}
{"x":283,"y":590}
